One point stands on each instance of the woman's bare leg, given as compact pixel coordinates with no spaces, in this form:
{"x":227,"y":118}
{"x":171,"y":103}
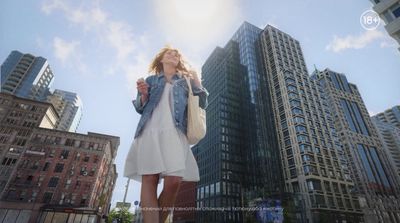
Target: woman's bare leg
{"x":168,"y":195}
{"x":148,"y":198}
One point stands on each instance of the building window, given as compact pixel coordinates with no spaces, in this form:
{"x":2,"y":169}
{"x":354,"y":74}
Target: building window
{"x":379,"y":167}
{"x":396,"y":10}
{"x":8,"y":161}
{"x":47,"y":197}
{"x":29,"y":179}
{"x":59,"y":168}
{"x":52,"y":153}
{"x":53,"y":182}
{"x":83,"y":201}
{"x":46,"y":166}
{"x":64,"y":154}
{"x":77,"y":184}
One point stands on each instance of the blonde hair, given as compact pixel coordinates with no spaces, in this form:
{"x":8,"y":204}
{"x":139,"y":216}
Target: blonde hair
{"x":156,"y":66}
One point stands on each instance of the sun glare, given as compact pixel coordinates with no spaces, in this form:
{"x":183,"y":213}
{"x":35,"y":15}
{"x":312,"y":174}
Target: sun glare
{"x":195,"y":10}
{"x":196,"y":22}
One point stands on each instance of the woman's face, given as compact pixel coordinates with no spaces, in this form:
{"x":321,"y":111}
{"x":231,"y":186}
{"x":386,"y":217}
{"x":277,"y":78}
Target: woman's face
{"x":171,"y":57}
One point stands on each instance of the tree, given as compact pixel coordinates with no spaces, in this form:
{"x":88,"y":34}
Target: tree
{"x":122,"y":215}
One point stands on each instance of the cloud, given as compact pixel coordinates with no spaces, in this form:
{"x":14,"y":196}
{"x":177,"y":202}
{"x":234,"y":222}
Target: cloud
{"x":69,"y":54}
{"x":64,"y":50}
{"x":49,"y":6}
{"x":121,"y":38}
{"x":109,"y":32}
{"x":89,"y":18}
{"x":354,"y":42}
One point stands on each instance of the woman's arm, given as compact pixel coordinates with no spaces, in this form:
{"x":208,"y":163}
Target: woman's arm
{"x":199,"y":90}
{"x":141,"y":101}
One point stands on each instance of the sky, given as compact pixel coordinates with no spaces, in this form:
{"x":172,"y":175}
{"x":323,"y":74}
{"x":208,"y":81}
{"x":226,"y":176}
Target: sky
{"x":98,"y":49}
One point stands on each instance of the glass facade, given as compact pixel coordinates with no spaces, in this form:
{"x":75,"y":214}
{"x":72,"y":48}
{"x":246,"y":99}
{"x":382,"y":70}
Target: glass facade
{"x":241,"y":133}
{"x":263,"y":169}
{"x":220,"y":154}
{"x":374,"y":168}
{"x":354,"y":117}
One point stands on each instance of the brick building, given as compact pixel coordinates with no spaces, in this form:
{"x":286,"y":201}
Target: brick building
{"x":51,"y":175}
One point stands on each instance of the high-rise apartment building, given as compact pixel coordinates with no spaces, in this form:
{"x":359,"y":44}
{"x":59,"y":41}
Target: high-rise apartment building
{"x":27,"y":76}
{"x":376,"y":183}
{"x":69,"y":106}
{"x":390,"y":137}
{"x":389,"y":11}
{"x":314,"y":166}
{"x":391,"y":116}
{"x":388,"y":125}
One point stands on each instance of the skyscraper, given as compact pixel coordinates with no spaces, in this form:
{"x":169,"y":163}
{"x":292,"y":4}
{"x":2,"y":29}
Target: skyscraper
{"x":375,"y":181}
{"x":263,"y":168}
{"x":220,"y":154}
{"x":388,"y":126}
{"x":69,"y":107}
{"x":389,"y":11}
{"x":313,"y":163}
{"x":390,"y":137}
{"x":391,"y":116}
{"x":27,"y":76}
{"x":269,"y":133}
{"x":248,"y":164}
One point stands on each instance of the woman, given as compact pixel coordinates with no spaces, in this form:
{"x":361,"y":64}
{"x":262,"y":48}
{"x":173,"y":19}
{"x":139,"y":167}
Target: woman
{"x":160,"y":148}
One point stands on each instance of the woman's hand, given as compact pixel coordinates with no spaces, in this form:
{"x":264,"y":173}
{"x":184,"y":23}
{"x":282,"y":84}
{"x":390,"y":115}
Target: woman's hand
{"x":143,"y":89}
{"x":193,"y":74}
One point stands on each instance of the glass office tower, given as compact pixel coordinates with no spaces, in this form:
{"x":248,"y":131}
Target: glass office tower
{"x":239,"y":158}
{"x":220,"y":154}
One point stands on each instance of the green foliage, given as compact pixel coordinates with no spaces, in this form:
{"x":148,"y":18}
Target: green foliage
{"x":121,"y":214}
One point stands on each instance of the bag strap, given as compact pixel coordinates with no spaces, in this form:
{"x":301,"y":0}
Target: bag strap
{"x":189,"y":85}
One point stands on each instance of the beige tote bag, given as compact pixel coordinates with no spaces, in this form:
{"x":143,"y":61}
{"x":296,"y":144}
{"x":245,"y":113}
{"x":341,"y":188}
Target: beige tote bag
{"x":196,"y":124}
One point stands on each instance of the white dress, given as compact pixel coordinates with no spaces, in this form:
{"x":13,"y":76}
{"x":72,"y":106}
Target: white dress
{"x":161,"y":147}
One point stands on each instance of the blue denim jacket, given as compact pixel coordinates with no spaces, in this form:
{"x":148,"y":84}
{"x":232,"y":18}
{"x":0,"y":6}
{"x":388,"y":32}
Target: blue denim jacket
{"x":180,"y":95}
